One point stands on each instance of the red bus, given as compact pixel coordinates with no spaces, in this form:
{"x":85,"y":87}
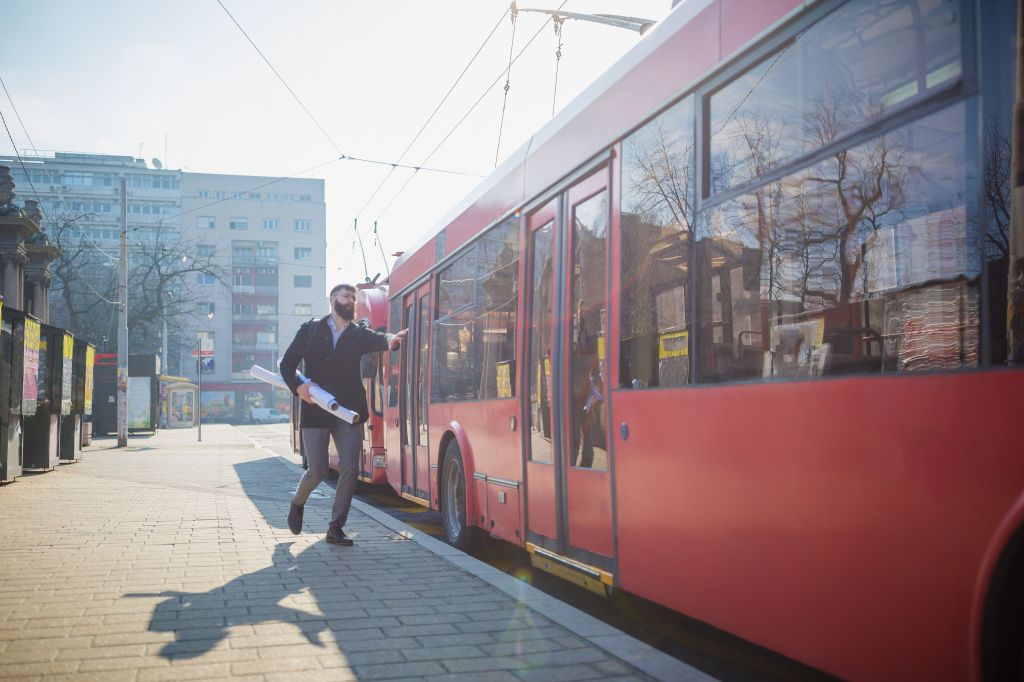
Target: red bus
{"x":735,"y":332}
{"x":371,"y":310}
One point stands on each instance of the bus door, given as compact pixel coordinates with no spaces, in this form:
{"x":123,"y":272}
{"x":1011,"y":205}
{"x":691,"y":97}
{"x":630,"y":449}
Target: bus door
{"x":413,"y":405}
{"x":567,"y":467}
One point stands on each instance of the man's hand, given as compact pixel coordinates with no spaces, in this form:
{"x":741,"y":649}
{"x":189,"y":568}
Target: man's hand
{"x":303,"y":392}
{"x":395,"y":342}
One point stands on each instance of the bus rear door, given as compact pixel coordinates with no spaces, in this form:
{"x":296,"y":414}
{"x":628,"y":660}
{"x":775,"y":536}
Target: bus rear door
{"x":415,"y":482}
{"x":568,"y":484}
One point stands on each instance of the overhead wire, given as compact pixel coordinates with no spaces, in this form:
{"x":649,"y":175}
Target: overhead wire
{"x":24,"y":129}
{"x":508,"y":86}
{"x":434,"y":112}
{"x":283,"y":82}
{"x":423,"y":127}
{"x":472,"y":108}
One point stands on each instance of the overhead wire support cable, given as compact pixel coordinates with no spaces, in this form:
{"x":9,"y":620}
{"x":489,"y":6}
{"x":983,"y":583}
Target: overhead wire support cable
{"x":376,"y":238}
{"x":283,"y":82}
{"x":471,"y":109}
{"x":362,"y":252}
{"x":398,"y":164}
{"x":433,"y":114}
{"x":559,"y":28}
{"x":508,"y":81}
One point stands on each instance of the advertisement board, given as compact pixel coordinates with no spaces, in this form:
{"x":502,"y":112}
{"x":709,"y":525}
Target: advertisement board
{"x":67,"y":388}
{"x":139,"y":411}
{"x":182,"y":408}
{"x":218,"y":405}
{"x":30,"y":377}
{"x":90,"y":364}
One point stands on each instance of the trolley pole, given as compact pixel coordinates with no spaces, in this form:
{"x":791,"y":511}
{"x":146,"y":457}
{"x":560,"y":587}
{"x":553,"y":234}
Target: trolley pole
{"x":122,"y":327}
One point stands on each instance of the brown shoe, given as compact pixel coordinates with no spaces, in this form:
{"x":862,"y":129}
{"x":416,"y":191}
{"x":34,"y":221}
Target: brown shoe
{"x":295,"y":519}
{"x":336,"y":536}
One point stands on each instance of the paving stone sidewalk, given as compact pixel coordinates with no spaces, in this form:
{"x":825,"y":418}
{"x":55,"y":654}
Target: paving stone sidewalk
{"x":171,"y":560}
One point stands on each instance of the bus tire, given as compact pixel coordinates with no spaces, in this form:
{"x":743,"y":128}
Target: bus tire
{"x":1003,"y":631}
{"x":453,"y":499}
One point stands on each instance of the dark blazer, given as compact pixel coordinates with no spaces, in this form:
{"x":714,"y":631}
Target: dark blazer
{"x":336,"y":369}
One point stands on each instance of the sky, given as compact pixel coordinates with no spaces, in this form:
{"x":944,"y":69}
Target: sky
{"x":179,"y":81}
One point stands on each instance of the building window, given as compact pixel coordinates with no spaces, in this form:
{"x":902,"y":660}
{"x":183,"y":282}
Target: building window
{"x":303,"y":281}
{"x":206,"y":222}
{"x":303,"y":309}
{"x":303,"y":225}
{"x":239,"y":223}
{"x":203,"y":194}
{"x":305,"y":197}
{"x":254,"y":196}
{"x":243,"y":252}
{"x":270,"y":224}
{"x":266,"y":337}
{"x":205,"y":249}
{"x":205,"y":308}
{"x":266,"y":309}
{"x":204,"y":279}
{"x":218,"y":195}
{"x":303,"y":253}
{"x":267,"y":252}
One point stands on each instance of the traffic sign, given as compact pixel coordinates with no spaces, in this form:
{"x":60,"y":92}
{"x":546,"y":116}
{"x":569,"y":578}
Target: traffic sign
{"x":207,"y":353}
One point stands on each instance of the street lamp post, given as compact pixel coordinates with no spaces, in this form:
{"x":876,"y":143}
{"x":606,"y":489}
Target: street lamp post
{"x":199,"y":382}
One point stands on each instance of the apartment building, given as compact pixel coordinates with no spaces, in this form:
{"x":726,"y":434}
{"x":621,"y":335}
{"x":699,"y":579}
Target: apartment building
{"x":270,"y":235}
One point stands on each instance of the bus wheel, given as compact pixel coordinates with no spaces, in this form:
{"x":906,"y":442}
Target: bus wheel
{"x":453,"y":499}
{"x":1003,"y":634}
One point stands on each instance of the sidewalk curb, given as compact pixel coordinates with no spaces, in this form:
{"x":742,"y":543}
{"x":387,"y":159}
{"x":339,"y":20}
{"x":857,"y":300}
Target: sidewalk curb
{"x":641,"y":656}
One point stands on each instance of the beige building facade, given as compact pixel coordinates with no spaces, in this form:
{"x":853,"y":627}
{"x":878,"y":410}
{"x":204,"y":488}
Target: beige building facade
{"x":270,"y":237}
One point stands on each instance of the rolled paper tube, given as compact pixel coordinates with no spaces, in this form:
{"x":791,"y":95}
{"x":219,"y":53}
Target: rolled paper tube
{"x":322,"y":398}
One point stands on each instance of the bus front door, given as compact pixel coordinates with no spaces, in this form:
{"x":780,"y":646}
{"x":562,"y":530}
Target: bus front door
{"x":413,"y":403}
{"x":568,"y":481}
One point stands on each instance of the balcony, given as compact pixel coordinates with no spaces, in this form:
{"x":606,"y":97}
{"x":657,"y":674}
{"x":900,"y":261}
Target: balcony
{"x":241,"y":261}
{"x":254,"y":317}
{"x":264,"y":289}
{"x":250,"y":347}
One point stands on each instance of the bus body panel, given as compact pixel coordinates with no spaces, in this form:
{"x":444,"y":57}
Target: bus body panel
{"x":488,"y":445}
{"x":371,"y":305}
{"x":849,"y":523}
{"x":819,"y":514}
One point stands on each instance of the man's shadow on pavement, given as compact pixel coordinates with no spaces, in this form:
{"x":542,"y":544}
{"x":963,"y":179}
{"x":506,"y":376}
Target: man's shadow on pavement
{"x":200,"y":620}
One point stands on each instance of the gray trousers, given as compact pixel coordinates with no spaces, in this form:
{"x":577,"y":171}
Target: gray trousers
{"x":348,"y":438}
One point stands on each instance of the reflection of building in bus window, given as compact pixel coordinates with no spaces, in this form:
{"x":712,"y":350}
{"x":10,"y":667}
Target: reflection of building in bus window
{"x":1016,"y":323}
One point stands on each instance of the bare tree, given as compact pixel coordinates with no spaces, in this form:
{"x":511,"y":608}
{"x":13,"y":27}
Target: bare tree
{"x":164,"y":267}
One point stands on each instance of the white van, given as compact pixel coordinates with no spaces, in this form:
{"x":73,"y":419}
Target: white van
{"x":267,"y":415}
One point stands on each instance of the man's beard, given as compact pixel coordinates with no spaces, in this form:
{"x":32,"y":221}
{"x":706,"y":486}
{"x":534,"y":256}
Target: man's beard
{"x":345,"y":312}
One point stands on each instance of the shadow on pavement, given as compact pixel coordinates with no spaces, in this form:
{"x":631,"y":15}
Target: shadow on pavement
{"x":201,"y":620}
